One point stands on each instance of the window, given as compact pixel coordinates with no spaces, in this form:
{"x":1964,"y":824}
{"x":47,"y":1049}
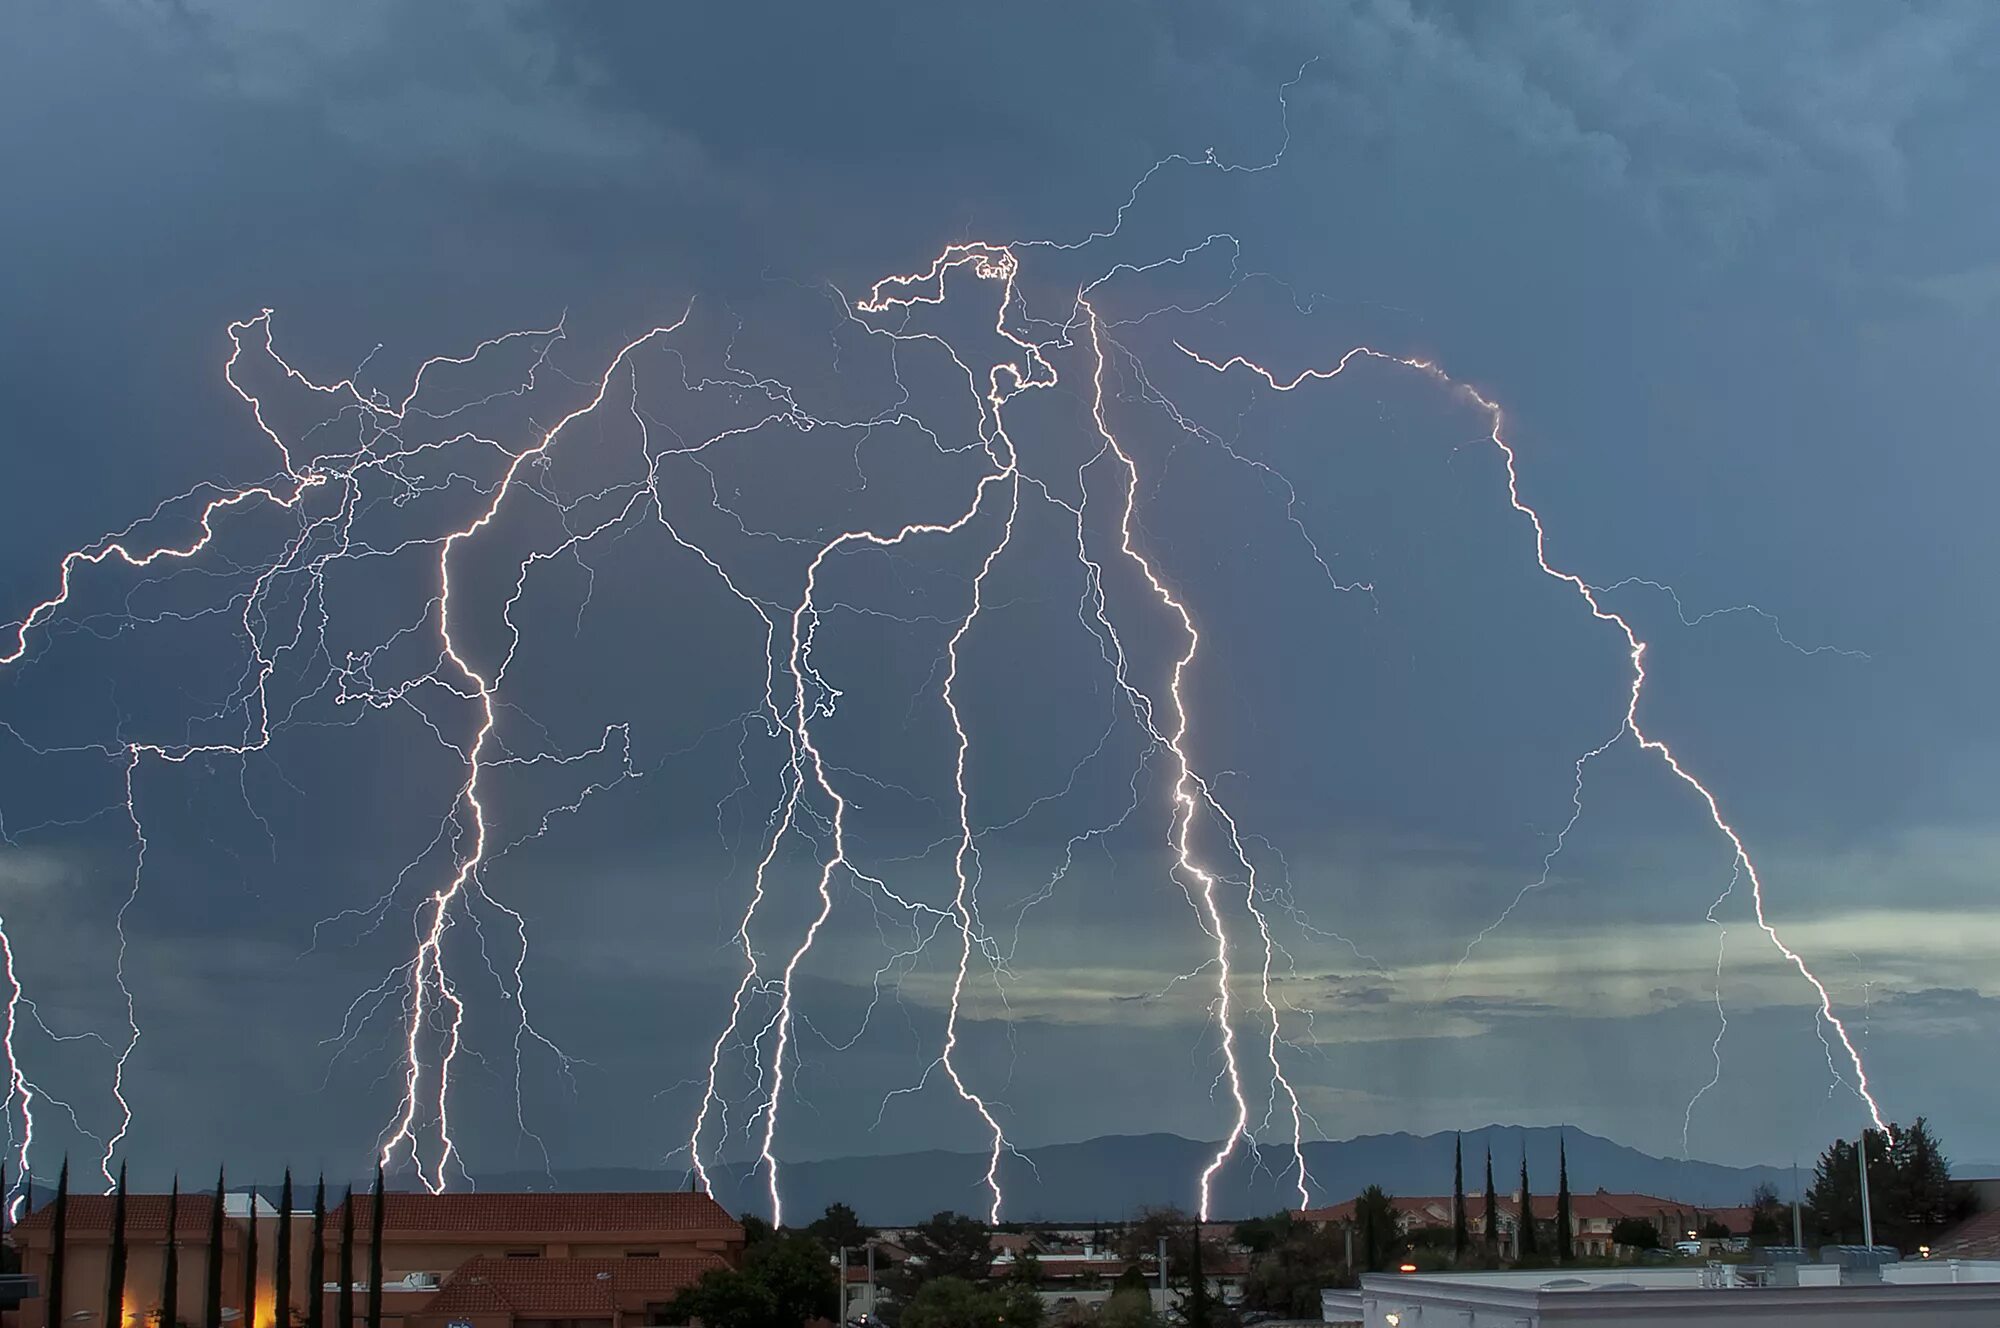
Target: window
{"x":642,"y":1254}
{"x":524,"y":1254}
{"x":656,"y":1313}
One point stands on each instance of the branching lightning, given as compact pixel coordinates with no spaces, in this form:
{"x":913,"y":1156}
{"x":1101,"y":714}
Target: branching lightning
{"x":463,"y":698}
{"x":1635,"y":649}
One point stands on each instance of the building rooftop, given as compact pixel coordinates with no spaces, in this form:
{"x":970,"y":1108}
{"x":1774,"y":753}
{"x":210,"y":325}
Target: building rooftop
{"x":145,"y":1214}
{"x":562,"y":1288}
{"x":544,"y":1212}
{"x":1977,"y":1237}
{"x":1920,"y":1292}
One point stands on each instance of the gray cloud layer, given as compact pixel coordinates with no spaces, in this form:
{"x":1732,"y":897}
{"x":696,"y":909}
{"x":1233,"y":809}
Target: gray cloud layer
{"x":1727,"y":265}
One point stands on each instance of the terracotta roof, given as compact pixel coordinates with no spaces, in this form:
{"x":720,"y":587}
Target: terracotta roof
{"x":1735,"y":1219}
{"x":583,"y":1214}
{"x":563,"y":1288}
{"x":1344,"y":1212}
{"x":1977,"y":1237}
{"x":144,"y":1214}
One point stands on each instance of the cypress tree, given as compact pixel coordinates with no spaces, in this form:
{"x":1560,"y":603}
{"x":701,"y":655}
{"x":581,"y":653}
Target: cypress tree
{"x":1461,"y":1235}
{"x":211,"y":1308}
{"x":345,"y":1317}
{"x":114,"y":1277}
{"x":375,"y":1252}
{"x":316,"y":1260}
{"x":170,"y":1272}
{"x":281,"y":1273}
{"x":1492,"y":1233}
{"x":1565,"y":1240}
{"x":1527,"y":1239}
{"x":1195,"y":1311}
{"x":58,"y":1246}
{"x":249,"y":1319}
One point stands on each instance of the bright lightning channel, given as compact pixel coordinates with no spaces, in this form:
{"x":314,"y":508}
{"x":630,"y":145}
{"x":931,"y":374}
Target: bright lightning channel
{"x":812,"y":804}
{"x":1635,"y":650}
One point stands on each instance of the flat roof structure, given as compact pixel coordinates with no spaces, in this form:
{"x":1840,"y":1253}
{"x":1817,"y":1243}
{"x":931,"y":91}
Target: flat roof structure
{"x":1924,"y":1294}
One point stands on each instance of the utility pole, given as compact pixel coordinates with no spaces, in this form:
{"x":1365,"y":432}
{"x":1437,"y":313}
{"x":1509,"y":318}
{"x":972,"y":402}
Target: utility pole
{"x":1867,"y":1217}
{"x":1163,"y":1273}
{"x":871,"y":1277}
{"x":843,"y":1284}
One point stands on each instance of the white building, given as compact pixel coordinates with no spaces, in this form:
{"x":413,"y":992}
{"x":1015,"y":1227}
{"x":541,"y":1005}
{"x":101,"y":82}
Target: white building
{"x":1922,"y":1294}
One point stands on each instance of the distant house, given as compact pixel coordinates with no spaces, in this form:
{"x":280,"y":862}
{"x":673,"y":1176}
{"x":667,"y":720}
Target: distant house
{"x":487,"y":1260}
{"x":87,"y":1260}
{"x":1592,"y":1217}
{"x":489,"y":1292}
{"x":1411,"y":1213}
{"x":1014,"y":1244}
{"x":1978,"y":1236}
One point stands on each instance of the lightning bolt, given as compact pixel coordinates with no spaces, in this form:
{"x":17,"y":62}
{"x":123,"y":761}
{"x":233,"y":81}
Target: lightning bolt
{"x":1206,"y":841}
{"x":430,"y":987}
{"x":1635,"y":650}
{"x":19,"y":1088}
{"x":1721,"y":1015}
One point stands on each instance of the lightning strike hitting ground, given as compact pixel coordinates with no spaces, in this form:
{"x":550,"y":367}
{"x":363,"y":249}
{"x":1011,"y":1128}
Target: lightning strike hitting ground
{"x":465,"y":697}
{"x":1636,"y":650}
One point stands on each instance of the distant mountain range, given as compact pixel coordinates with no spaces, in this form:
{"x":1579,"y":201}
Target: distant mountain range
{"x":1112,"y":1177}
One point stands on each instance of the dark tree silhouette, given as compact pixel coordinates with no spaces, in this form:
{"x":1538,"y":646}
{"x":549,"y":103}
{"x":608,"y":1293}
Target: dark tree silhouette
{"x":211,"y":1308}
{"x":838,"y":1226}
{"x":1635,"y":1233}
{"x":1375,"y":1223}
{"x":281,"y":1270}
{"x":952,"y":1245}
{"x":1565,"y":1225}
{"x":1492,"y":1232}
{"x":114,"y":1277}
{"x":1197,"y":1308}
{"x":786,"y":1279}
{"x":344,"y":1317}
{"x":249,"y":1319}
{"x":1767,"y":1217}
{"x":1461,"y":1235}
{"x":58,"y":1246}
{"x":1525,"y":1245}
{"x":375,"y":1253}
{"x":170,"y":1270}
{"x":1910,"y":1194}
{"x":316,"y":1261}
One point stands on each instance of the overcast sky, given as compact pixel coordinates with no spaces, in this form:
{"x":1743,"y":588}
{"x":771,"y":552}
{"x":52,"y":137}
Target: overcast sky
{"x":1730,"y":269}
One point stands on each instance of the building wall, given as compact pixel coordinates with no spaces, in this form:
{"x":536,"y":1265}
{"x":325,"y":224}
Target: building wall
{"x":398,"y":1307}
{"x":1499,"y":1304}
{"x":87,"y":1276}
{"x":417,"y":1253}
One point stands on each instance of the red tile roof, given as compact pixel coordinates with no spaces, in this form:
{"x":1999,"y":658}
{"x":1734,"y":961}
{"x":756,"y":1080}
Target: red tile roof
{"x":563,"y":1288}
{"x":1736,"y":1219}
{"x":577,"y":1214}
{"x":1344,"y":1212}
{"x":1977,"y":1237}
{"x":145,"y":1214}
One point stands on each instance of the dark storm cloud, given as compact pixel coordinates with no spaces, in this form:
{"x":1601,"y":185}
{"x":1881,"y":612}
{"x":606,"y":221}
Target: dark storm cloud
{"x":1729,"y":267}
